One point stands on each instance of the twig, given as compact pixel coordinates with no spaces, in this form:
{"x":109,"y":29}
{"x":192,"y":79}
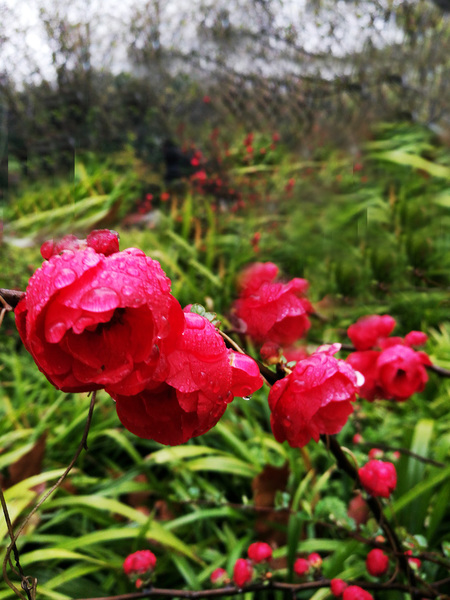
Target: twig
{"x":345,"y":465}
{"x":12,"y":297}
{"x":265,"y":586}
{"x":423,"y":459}
{"x":29,"y":583}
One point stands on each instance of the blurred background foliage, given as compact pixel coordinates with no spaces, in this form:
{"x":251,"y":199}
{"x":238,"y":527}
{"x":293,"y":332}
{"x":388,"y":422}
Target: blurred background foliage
{"x":314,"y":135}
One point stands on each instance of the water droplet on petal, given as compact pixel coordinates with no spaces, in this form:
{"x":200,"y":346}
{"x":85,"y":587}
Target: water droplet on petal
{"x":91,"y":258}
{"x":133,"y":271}
{"x":100,"y":300}
{"x":55,"y":333}
{"x":297,"y":384}
{"x":64,"y":277}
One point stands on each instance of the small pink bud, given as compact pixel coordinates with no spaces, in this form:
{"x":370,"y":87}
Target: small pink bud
{"x":337,"y":587}
{"x":259,"y":552}
{"x":358,"y":438}
{"x":415,"y":563}
{"x":377,"y":563}
{"x":378,"y":478}
{"x":354,"y":592}
{"x":376,"y":453}
{"x":301,"y":566}
{"x":315,"y":560}
{"x":218,"y":576}
{"x":242,"y":572}
{"x":139,"y":562}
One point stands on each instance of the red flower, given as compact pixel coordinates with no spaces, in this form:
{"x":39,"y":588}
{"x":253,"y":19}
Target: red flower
{"x":301,"y":567}
{"x":165,"y":196}
{"x":337,"y":587}
{"x":276,"y":312}
{"x":139,"y":562}
{"x":203,"y":377}
{"x":378,"y":478}
{"x":401,"y":371}
{"x":366,"y":332}
{"x":259,"y":552}
{"x":82,"y":308}
{"x":354,"y":592}
{"x":377,"y":563}
{"x":314,"y":399}
{"x":366,"y":363}
{"x":242,"y":572}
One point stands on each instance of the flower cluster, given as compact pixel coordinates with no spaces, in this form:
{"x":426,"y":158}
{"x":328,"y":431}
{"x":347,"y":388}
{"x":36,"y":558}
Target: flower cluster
{"x":97,"y":318}
{"x":314,"y":399}
{"x":392,"y":369}
{"x":341,"y":589}
{"x":303,"y":566}
{"x":272,"y":311}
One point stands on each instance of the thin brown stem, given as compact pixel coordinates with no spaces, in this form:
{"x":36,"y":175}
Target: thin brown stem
{"x":29,"y":583}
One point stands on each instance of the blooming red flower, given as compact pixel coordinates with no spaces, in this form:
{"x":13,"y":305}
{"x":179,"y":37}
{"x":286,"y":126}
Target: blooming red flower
{"x":203,"y":377}
{"x":218,"y":576}
{"x":139,"y":562}
{"x":337,"y":587}
{"x":259,"y":552}
{"x":301,"y":567}
{"x":366,"y":332}
{"x":85,"y":304}
{"x":354,"y":592}
{"x":276,"y":312}
{"x":377,"y":563}
{"x":314,"y":399}
{"x":378,"y":478}
{"x":401,"y":371}
{"x":242,"y":572}
{"x":366,"y":363}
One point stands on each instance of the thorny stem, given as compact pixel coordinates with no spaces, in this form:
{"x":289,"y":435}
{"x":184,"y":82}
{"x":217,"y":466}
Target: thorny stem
{"x":29,"y":583}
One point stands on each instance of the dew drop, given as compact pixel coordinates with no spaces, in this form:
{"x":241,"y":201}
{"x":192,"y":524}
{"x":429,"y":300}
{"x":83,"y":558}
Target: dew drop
{"x":64,"y":277}
{"x":55,"y":332}
{"x":246,"y":398}
{"x":100,"y":300}
{"x":67,"y":255}
{"x":133,"y":271}
{"x":90,"y":258}
{"x":297,"y":384}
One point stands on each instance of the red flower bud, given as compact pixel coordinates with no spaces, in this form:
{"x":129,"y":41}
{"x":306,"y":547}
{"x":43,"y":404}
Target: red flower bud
{"x":377,"y":563}
{"x":378,"y":478}
{"x":301,"y":567}
{"x":366,"y":332}
{"x":139,"y":562}
{"x":242,"y":572}
{"x":218,"y":576}
{"x":337,"y":587}
{"x":315,"y":560}
{"x":354,"y":592}
{"x":259,"y":552}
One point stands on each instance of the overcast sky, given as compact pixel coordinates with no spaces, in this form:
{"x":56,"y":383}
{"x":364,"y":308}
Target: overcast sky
{"x":28,"y":45}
